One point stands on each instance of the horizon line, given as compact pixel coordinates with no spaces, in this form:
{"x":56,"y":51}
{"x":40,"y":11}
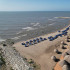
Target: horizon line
{"x":34,"y":11}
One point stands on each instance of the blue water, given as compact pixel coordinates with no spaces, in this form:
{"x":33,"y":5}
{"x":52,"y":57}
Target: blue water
{"x":12,"y":23}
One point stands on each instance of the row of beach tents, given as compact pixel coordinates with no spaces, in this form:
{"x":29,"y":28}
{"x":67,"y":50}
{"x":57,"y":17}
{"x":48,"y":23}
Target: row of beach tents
{"x":51,"y":38}
{"x":64,"y":32}
{"x":34,"y":41}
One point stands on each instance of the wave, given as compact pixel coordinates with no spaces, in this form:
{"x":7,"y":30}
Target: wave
{"x":52,"y":24}
{"x":18,"y":37}
{"x":50,"y":19}
{"x":2,"y":40}
{"x":29,"y":28}
{"x":37,"y":24}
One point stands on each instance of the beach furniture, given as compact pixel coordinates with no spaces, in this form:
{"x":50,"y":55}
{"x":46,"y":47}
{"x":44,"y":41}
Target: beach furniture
{"x":37,"y":40}
{"x":50,"y":37}
{"x":67,"y":28}
{"x":59,"y":31}
{"x":31,"y":41}
{"x":26,"y":45}
{"x":23,"y":43}
{"x":41,"y":39}
{"x":55,"y":37}
{"x":27,"y":42}
{"x":45,"y":39}
{"x":64,"y":33}
{"x":34,"y":41}
{"x":59,"y":35}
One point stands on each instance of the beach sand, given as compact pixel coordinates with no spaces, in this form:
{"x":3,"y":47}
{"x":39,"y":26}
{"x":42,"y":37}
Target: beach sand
{"x":41,"y":53}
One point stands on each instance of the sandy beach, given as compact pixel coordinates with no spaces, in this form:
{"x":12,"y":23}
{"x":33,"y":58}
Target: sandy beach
{"x":41,"y":53}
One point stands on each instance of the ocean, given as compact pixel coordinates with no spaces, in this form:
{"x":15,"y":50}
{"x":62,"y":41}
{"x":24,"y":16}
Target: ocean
{"x":25,"y":25}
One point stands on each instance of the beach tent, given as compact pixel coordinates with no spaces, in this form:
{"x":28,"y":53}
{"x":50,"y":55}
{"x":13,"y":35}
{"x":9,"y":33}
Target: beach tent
{"x":30,"y":41}
{"x":59,"y":31}
{"x":45,"y":39}
{"x":64,"y":33}
{"x":26,"y":45}
{"x":23,"y":43}
{"x":60,"y":35}
{"x":55,"y":37}
{"x":67,"y":28}
{"x":50,"y":37}
{"x":34,"y":41}
{"x":37,"y":40}
{"x":27,"y":42}
{"x":41,"y":39}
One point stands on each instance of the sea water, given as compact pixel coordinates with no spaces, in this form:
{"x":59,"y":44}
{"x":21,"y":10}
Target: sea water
{"x":31,"y":24}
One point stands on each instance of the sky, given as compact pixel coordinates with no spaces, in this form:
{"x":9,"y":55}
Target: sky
{"x":34,"y":5}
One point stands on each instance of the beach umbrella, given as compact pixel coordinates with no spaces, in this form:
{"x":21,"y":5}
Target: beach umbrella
{"x":34,"y":41}
{"x":23,"y":43}
{"x":37,"y":40}
{"x":45,"y":39}
{"x":64,"y":31}
{"x":62,"y":63}
{"x":59,"y":31}
{"x":26,"y":45}
{"x":27,"y":42}
{"x":31,"y":41}
{"x":41,"y":39}
{"x":60,"y":35}
{"x":55,"y":37}
{"x":67,"y":28}
{"x":50,"y":37}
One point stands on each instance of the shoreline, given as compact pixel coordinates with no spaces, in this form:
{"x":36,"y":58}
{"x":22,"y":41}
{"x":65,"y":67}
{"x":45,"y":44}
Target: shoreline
{"x":21,"y":38}
{"x":48,"y":34}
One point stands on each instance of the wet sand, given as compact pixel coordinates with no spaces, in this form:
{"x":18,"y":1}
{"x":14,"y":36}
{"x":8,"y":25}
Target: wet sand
{"x":41,"y":53}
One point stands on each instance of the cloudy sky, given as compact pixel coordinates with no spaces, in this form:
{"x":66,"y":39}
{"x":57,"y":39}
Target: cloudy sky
{"x":34,"y":5}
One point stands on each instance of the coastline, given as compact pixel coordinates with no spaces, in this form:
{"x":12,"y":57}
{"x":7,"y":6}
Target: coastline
{"x":41,"y":53}
{"x":21,"y":37}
